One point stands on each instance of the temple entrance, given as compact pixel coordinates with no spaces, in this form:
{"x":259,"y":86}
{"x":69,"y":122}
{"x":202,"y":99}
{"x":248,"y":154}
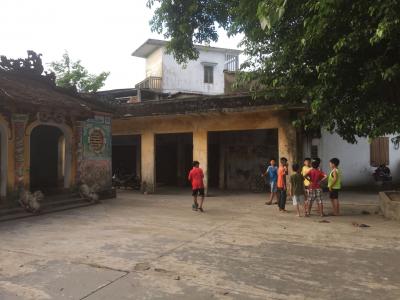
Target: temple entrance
{"x":126,"y":155}
{"x":174,"y":155}
{"x":47,"y":159}
{"x":3,"y":161}
{"x":237,"y":158}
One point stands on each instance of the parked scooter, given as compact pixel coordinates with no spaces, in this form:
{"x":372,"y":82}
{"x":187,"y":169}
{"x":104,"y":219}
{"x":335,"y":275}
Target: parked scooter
{"x":383,"y":175}
{"x":121,"y":180}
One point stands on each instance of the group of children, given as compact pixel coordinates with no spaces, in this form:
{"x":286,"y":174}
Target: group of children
{"x":304,"y":185}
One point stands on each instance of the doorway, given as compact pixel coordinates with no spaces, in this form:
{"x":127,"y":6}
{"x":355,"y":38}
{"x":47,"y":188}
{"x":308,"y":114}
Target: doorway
{"x":47,"y":159}
{"x":174,"y":155}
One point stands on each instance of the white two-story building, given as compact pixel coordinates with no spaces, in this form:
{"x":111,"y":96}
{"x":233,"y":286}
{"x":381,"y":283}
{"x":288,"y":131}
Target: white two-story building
{"x":202,"y":76}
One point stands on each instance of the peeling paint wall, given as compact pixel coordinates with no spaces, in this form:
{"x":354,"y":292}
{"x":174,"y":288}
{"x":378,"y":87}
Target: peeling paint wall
{"x":154,"y":64}
{"x":241,"y":156}
{"x":87,"y":152}
{"x":200,"y":125}
{"x":94,"y":163}
{"x":190,"y":78}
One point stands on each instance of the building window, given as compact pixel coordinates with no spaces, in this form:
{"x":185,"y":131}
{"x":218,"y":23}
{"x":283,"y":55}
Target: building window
{"x":208,"y":74}
{"x":314,"y":151}
{"x":379,"y":151}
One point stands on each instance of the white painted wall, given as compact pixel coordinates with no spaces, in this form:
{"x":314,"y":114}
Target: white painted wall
{"x":354,"y":158}
{"x":177,"y":78}
{"x":154,"y":63}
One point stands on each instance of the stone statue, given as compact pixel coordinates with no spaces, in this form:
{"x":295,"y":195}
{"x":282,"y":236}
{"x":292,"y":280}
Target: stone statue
{"x":31,"y":201}
{"x":88,"y":193}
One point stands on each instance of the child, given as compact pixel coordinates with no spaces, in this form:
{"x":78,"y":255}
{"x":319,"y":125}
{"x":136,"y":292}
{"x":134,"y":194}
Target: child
{"x":281,"y":183}
{"x":272,"y":172}
{"x":297,"y":191}
{"x":196,"y":176}
{"x":334,"y":184}
{"x":315,"y":176}
{"x":306,"y":168}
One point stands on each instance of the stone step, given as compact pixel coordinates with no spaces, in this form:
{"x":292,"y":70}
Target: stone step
{"x":58,"y":203}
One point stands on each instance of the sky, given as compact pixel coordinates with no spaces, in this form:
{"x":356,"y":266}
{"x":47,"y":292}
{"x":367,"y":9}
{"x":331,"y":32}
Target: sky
{"x":101,"y":33}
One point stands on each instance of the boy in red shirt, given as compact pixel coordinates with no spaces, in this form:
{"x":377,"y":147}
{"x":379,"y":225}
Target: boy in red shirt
{"x":315,"y":176}
{"x":196,"y":176}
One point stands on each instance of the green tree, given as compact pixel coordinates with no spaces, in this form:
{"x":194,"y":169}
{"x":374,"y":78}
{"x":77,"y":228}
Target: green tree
{"x":339,"y":57}
{"x":71,"y":74}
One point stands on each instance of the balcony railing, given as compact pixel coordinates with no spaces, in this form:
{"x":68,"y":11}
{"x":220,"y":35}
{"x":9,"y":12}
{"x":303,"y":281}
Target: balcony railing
{"x":150,"y":83}
{"x":231,"y":62}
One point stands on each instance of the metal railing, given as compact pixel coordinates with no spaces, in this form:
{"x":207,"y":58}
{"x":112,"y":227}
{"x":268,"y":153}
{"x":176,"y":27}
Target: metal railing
{"x":231,"y":62}
{"x":150,"y":83}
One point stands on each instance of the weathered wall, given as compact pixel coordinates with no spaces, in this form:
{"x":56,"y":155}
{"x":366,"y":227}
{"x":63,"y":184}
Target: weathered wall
{"x":86,"y":158}
{"x":354,"y":158}
{"x":200,"y":125}
{"x":154,"y":64}
{"x":94,"y":150}
{"x":6,"y":158}
{"x":243,"y":155}
{"x":191,"y":77}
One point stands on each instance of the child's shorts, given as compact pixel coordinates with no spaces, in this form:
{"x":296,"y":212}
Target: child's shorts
{"x":334,"y":194}
{"x":198,"y":192}
{"x":273,"y":186}
{"x":298,"y":199}
{"x":315,"y":195}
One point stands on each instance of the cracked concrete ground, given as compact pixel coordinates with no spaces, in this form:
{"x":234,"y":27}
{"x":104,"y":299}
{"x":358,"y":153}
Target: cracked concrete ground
{"x":155,"y":247}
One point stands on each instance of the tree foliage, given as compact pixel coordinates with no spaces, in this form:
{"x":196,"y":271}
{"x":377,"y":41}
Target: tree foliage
{"x":340,"y":57}
{"x":71,"y":74}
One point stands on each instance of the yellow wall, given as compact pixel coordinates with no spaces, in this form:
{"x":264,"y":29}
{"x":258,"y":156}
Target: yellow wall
{"x":199,"y":125}
{"x":10,"y":154}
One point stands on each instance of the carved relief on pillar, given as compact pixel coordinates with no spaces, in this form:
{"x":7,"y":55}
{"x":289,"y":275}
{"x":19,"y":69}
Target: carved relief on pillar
{"x":19,"y":122}
{"x":79,"y":149}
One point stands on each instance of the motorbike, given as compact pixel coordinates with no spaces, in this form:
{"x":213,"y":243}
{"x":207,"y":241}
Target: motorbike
{"x":121,"y":180}
{"x":382,"y":175}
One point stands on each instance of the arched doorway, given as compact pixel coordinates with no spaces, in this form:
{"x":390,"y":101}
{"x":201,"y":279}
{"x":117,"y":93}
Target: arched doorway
{"x":49,"y":164}
{"x":3,"y":161}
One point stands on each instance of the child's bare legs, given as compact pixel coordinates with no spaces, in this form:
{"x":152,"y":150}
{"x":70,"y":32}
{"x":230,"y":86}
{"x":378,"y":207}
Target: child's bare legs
{"x":201,"y":202}
{"x":298,"y":210}
{"x":321,"y":209}
{"x":305,"y":207}
{"x":310,"y":203}
{"x":271,"y":198}
{"x":195,"y":201}
{"x":335,"y":206}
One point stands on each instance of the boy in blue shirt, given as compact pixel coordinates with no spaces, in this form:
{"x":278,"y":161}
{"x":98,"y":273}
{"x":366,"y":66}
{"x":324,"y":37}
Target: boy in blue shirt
{"x":272,"y":172}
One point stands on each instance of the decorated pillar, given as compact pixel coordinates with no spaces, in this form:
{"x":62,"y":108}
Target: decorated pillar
{"x":20,"y":170}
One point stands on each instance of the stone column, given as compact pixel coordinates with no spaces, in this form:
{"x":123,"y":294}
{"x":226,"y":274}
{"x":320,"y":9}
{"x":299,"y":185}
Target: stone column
{"x":148,"y":175}
{"x":200,"y":152}
{"x":287,"y":144}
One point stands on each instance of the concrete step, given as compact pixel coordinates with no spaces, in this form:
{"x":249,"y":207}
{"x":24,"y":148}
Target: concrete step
{"x":51,"y":204}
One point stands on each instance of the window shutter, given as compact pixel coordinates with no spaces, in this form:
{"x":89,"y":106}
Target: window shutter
{"x":379,"y":151}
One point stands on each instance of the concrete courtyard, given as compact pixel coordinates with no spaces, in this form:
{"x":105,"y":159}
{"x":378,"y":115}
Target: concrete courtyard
{"x":154,"y":247}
